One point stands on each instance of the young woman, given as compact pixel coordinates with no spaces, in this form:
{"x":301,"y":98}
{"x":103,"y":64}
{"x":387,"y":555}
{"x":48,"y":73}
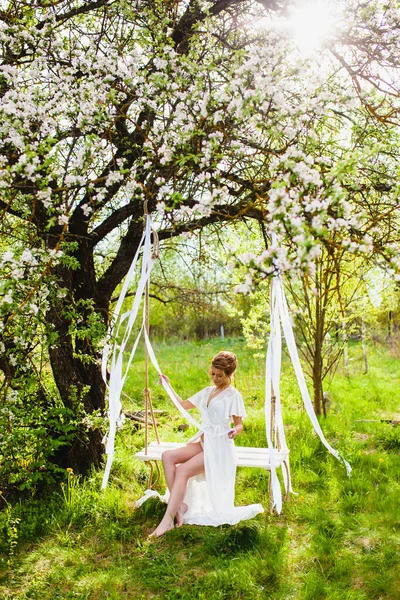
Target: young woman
{"x":201,"y":475}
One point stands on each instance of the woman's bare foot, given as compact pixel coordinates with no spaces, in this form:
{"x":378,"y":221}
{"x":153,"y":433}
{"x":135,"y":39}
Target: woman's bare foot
{"x":162,"y":528}
{"x":180,"y":514}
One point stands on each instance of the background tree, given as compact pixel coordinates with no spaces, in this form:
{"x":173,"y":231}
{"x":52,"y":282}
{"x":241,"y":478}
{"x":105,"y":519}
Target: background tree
{"x":192,"y":288}
{"x":324,"y":315}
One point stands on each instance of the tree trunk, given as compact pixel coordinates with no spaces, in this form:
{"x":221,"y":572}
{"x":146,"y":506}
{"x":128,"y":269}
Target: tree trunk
{"x":364,"y":346}
{"x":390,"y":320}
{"x":75,"y":361}
{"x":317,"y":373}
{"x":81,"y":387}
{"x":77,"y":371}
{"x":317,"y":365}
{"x":345,"y":351}
{"x":317,"y":387}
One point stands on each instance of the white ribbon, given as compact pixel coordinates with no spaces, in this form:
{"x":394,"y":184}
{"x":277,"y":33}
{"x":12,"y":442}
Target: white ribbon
{"x":272,"y":377}
{"x":151,"y":494}
{"x":279,"y":318}
{"x":291,"y":345}
{"x":117,"y":377}
{"x":167,"y":386}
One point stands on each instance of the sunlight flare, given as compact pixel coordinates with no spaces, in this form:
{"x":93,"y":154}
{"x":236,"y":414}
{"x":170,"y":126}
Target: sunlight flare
{"x":309,"y":23}
{"x":312,"y":24}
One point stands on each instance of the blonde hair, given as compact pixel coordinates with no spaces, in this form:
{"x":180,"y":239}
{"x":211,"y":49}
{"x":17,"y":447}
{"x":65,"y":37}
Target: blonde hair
{"x":226,"y":362}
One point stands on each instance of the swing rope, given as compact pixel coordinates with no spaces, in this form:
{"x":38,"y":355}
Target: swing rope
{"x":147,"y":391}
{"x":148,"y":404}
{"x":273,"y":435}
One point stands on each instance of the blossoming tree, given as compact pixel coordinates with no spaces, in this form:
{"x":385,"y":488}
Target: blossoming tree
{"x":189,"y":108}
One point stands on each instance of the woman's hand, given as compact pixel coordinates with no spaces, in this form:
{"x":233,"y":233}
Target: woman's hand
{"x":238,"y":428}
{"x":184,"y":403}
{"x":161,"y":377}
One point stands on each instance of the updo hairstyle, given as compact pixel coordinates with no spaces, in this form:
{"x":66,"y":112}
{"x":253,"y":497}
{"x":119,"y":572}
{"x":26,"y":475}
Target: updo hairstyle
{"x":226,"y":362}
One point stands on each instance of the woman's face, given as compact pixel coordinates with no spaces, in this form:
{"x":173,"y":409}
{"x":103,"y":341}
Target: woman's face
{"x":219,"y":378}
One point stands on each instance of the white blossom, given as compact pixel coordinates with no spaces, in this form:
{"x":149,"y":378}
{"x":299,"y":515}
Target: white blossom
{"x":63,"y":219}
{"x":28,"y":258}
{"x":8,"y":256}
{"x":86,"y":209}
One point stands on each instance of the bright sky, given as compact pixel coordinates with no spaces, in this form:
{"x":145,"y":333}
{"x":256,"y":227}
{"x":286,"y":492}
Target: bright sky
{"x":310,"y":23}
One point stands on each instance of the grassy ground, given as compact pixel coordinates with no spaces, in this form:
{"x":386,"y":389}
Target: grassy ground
{"x":337,"y":539}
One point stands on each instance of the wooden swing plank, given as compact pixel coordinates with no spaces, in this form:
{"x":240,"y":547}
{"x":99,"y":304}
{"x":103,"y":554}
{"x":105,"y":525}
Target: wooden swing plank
{"x":245,"y":456}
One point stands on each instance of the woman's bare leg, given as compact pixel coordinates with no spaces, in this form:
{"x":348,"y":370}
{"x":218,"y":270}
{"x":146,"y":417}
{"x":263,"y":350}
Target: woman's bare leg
{"x":190,"y":468}
{"x":180,"y":515}
{"x":170,"y":460}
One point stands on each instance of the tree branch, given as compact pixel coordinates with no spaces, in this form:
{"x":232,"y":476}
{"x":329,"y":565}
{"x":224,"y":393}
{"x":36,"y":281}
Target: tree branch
{"x":80,"y":10}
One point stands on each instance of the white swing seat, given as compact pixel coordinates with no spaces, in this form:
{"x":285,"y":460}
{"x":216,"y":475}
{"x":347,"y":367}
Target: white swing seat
{"x":245,"y":456}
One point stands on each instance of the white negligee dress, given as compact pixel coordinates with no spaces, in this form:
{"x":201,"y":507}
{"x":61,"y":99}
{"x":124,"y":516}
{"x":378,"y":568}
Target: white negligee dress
{"x":210,"y":496}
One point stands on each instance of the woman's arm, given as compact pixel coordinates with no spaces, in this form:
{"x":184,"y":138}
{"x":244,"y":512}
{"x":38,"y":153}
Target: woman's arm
{"x":238,"y":428}
{"x":184,"y":403}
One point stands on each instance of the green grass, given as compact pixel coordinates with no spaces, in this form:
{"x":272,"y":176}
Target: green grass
{"x":337,"y":539}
